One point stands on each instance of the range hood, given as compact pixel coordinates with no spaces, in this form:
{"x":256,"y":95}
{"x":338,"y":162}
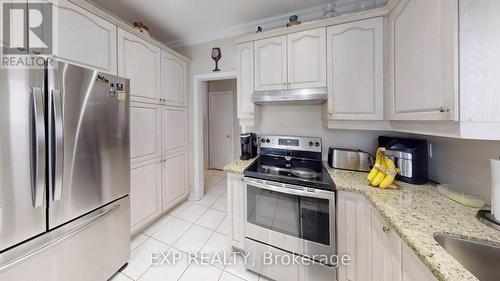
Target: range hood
{"x":295,"y":96}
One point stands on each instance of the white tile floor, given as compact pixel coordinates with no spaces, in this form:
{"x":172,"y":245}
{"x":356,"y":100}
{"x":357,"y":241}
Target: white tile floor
{"x":192,"y":226}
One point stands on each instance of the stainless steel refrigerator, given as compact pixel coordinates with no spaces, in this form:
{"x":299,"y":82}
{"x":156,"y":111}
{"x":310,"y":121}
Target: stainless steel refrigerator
{"x":64,"y":174}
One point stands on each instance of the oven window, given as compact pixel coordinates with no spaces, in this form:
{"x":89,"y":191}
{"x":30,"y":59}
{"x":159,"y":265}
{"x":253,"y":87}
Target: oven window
{"x":302,"y":217}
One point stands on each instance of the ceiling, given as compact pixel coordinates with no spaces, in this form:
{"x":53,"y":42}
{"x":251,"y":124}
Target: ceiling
{"x":178,"y":22}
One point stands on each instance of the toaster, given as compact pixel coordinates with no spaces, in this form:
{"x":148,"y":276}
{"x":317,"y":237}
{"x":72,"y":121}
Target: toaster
{"x":350,"y":159}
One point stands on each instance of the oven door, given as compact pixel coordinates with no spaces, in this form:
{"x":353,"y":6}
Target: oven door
{"x":293,"y":218}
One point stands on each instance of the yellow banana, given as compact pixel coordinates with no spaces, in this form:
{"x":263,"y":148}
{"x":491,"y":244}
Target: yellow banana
{"x":378,"y":164}
{"x":391,"y":173}
{"x":380,"y":175}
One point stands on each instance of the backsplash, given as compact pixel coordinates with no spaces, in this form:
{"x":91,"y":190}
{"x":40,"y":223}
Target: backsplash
{"x":464,"y":163}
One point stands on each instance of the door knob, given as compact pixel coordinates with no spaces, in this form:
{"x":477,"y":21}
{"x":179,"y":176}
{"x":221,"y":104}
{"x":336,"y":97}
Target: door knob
{"x":444,"y":109}
{"x":228,"y":136}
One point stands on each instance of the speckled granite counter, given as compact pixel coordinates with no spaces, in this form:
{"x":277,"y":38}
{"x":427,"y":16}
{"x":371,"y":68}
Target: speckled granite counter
{"x":416,"y":213}
{"x":238,"y":166}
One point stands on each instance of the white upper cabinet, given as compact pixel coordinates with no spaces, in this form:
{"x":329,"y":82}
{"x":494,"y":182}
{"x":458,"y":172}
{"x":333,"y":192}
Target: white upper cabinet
{"x":355,"y":53}
{"x":245,"y":81}
{"x":140,"y":62}
{"x":423,"y":60}
{"x":85,"y":39}
{"x":270,"y":64}
{"x":174,"y":132}
{"x":173,"y":80}
{"x":307,"y":59}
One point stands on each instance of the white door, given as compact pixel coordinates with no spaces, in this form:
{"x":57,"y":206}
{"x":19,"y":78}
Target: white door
{"x":356,"y":70}
{"x":85,"y":39}
{"x":174,"y":179}
{"x":140,"y":62}
{"x":307,"y":59}
{"x":220,"y":129}
{"x":145,"y":131}
{"x":173,"y":80}
{"x":245,"y":81}
{"x":423,"y":60}
{"x":270,"y":64}
{"x":145,"y":188}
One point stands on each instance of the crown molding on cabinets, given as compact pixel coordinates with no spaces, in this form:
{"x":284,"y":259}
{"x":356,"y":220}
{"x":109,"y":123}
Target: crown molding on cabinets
{"x":116,"y":20}
{"x":250,"y":27}
{"x":342,"y":18}
{"x":305,"y":15}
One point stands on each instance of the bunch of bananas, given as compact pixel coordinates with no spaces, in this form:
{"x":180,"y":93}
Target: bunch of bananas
{"x":384,"y":171}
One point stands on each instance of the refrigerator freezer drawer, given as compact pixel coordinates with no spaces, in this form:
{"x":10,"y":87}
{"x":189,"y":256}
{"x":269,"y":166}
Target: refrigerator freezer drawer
{"x":91,"y":248}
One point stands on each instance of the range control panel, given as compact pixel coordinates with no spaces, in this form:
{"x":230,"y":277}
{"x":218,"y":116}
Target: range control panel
{"x":291,"y":143}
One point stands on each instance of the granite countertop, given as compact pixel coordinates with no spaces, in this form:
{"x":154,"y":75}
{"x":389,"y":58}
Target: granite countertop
{"x":238,"y":166}
{"x":416,"y":213}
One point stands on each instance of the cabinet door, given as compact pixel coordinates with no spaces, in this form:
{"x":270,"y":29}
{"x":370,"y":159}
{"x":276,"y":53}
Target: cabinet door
{"x":386,"y":251}
{"x":174,"y":129}
{"x":140,"y":62}
{"x":245,"y":81}
{"x":236,"y":212}
{"x":356,"y":70}
{"x":353,"y":228}
{"x":145,"y":131}
{"x":145,"y":188}
{"x":174,"y":178}
{"x":413,"y":268}
{"x":423,"y":59}
{"x":307,"y":59}
{"x":173,"y":80}
{"x":270,"y":64}
{"x":85,"y":39}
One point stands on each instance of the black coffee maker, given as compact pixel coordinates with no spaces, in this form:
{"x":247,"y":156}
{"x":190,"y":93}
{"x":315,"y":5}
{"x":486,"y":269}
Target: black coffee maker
{"x":248,"y":146}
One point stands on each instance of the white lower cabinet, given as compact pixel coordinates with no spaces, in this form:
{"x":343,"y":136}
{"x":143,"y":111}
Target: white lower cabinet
{"x":377,"y":252}
{"x":235,"y":209}
{"x":353,"y":222}
{"x":145,"y":190}
{"x":413,"y":268}
{"x":386,"y":251}
{"x":174,"y":183}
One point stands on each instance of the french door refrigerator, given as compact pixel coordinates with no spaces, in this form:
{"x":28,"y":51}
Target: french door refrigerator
{"x":64,"y":173}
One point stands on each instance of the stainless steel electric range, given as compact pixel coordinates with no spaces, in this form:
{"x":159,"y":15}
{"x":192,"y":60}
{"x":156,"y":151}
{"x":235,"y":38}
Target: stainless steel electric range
{"x":290,"y":208}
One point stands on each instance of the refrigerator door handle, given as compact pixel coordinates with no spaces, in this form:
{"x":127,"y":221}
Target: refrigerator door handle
{"x":58,"y":145}
{"x":38,"y":148}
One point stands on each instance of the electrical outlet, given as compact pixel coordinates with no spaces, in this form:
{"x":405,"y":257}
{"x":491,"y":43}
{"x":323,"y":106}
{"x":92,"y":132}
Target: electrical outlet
{"x":430,"y":150}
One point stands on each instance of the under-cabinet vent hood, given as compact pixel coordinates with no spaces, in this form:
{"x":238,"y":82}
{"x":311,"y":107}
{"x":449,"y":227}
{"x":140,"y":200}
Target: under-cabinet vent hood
{"x":296,"y":96}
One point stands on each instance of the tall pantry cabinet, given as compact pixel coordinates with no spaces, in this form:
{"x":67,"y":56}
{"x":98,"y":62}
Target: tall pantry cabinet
{"x":158,"y":127}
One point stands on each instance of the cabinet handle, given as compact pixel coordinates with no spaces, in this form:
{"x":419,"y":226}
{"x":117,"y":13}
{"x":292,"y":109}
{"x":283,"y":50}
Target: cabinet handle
{"x":385,"y":229}
{"x":444,"y":109}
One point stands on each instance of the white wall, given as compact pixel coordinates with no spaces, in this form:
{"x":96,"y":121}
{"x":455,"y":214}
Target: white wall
{"x":461,"y":162}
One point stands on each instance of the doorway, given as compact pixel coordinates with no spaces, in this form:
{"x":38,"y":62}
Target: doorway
{"x":220,"y":129}
{"x":204,"y":178}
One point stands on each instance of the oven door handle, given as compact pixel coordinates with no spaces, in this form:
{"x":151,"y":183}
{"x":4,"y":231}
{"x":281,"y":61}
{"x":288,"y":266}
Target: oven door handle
{"x":290,"y":189}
